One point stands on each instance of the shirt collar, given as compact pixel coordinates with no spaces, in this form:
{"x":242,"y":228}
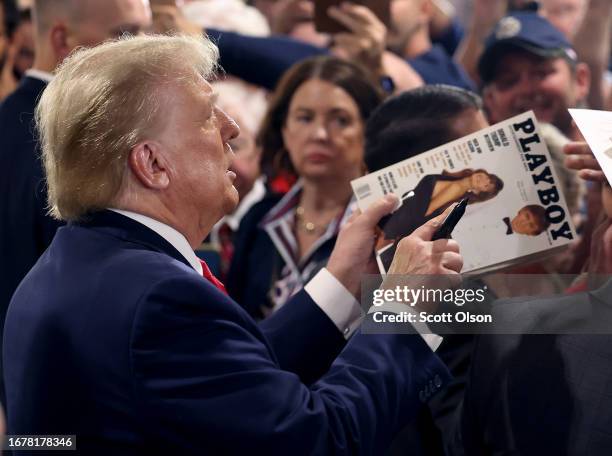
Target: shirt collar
{"x":39,"y":74}
{"x":279,"y":226}
{"x":290,"y":201}
{"x":176,"y":239}
{"x":253,"y":197}
{"x":286,"y":204}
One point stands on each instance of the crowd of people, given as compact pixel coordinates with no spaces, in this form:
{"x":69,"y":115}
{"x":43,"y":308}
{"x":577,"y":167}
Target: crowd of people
{"x":181,"y":253}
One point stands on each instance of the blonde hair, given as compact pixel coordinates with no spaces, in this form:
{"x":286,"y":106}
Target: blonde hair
{"x":102,"y":102}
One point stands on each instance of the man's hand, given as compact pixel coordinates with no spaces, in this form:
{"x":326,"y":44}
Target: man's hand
{"x":488,"y":12}
{"x":367,"y":39}
{"x":580,"y":158}
{"x":415,"y":254}
{"x":286,"y":14}
{"x":418,"y":255}
{"x":355,"y":244}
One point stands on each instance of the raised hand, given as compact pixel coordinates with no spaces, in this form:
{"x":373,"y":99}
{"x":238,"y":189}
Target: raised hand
{"x":367,"y":37}
{"x":579,"y":157}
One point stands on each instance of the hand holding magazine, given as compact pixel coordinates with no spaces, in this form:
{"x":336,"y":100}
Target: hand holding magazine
{"x":515,"y":206}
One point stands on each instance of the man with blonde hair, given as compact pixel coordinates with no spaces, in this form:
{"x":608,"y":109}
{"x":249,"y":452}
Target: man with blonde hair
{"x":59,"y":27}
{"x":115,"y":337}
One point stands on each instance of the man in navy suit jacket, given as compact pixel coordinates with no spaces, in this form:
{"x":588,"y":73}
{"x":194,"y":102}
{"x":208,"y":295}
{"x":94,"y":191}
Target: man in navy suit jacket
{"x":115,"y":336}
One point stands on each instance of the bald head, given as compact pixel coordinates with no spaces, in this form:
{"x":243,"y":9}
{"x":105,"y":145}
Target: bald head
{"x":63,"y":25}
{"x":47,"y":12}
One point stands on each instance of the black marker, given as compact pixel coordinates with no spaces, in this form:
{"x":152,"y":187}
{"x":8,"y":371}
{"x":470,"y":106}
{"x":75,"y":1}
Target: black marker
{"x":451,"y":220}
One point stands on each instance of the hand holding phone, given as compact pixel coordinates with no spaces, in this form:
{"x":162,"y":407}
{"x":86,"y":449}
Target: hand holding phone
{"x":325,"y":24}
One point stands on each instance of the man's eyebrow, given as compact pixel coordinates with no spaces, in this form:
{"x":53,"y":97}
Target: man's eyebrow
{"x":214,"y":98}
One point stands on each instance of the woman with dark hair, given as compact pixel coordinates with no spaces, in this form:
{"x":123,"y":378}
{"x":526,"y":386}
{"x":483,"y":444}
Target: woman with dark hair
{"x":314,"y":130}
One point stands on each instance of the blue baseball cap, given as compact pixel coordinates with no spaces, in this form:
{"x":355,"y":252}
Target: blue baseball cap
{"x":527,"y":31}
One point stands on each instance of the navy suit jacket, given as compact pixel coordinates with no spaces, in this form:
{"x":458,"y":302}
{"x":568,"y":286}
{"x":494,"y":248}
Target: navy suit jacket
{"x":113,"y":337}
{"x":25,"y":229}
{"x":540,"y":394}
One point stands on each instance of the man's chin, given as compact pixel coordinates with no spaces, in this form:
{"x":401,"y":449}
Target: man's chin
{"x":231,"y":201}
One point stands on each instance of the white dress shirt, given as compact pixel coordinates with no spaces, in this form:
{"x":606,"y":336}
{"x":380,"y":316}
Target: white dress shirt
{"x":39,"y":74}
{"x":176,"y":239}
{"x":233,"y":220}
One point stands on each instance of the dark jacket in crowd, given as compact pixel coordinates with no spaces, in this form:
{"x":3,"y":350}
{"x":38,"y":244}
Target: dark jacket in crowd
{"x":536,"y":394}
{"x":25,"y":229}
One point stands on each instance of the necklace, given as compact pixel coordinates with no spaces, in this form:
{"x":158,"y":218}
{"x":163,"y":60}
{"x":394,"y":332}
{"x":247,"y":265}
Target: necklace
{"x":305,"y":225}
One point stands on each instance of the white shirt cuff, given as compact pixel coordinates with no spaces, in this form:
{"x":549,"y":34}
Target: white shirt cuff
{"x":433,"y":341}
{"x":335,"y":301}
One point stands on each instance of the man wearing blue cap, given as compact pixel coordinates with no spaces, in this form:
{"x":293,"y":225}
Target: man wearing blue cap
{"x":529,"y":64}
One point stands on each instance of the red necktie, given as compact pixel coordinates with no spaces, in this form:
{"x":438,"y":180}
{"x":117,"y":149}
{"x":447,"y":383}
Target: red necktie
{"x":211,"y":278}
{"x":226,"y":250}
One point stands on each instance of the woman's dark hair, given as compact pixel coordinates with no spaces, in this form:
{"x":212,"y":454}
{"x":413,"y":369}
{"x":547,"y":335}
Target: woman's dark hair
{"x":480,"y":197}
{"x":353,"y":79}
{"x":414,"y":122}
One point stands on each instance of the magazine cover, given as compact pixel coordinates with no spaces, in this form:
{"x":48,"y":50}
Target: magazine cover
{"x":515,"y":207}
{"x":596,"y":127}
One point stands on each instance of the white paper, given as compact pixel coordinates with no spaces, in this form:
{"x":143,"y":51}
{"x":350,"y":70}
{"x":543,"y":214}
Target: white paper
{"x":596,"y":127}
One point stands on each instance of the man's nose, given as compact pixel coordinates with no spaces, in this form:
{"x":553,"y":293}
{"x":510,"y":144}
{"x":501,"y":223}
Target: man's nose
{"x":526,"y":84}
{"x":229,"y":128}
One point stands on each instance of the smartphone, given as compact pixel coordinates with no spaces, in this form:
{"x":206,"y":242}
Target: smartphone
{"x":451,"y":220}
{"x":325,"y":24}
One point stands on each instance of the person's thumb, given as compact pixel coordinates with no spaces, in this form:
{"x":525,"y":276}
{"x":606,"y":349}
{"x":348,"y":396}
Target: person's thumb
{"x":426,"y":231}
{"x":372,"y":215}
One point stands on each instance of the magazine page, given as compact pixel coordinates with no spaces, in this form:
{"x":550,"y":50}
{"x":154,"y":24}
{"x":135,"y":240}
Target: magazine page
{"x":596,"y":127}
{"x":515,"y":206}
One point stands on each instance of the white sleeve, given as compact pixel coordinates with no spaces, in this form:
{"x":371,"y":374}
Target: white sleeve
{"x":335,"y":301}
{"x":344,"y":310}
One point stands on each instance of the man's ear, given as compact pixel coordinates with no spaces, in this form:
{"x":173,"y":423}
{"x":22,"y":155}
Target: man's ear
{"x":583,"y":81}
{"x":59,"y":41}
{"x":149,"y":165}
